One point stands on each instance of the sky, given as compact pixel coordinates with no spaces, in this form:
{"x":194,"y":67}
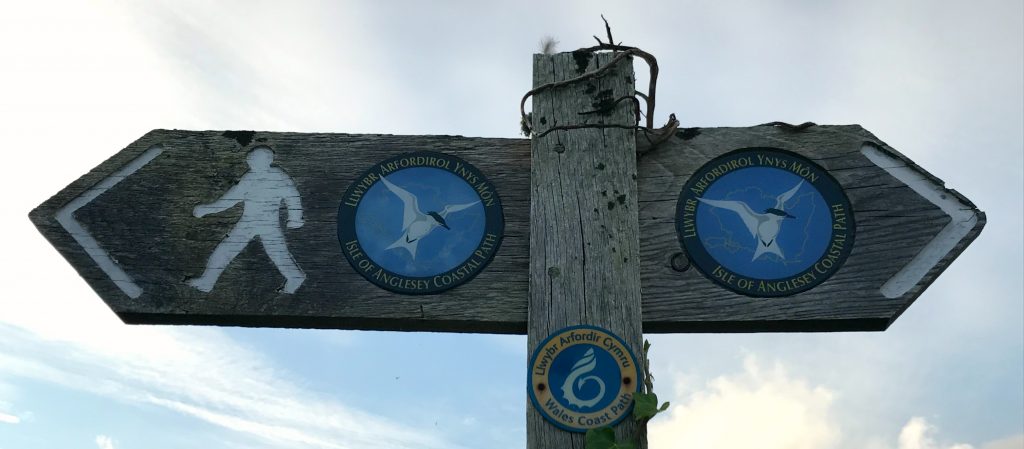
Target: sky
{"x":940,"y":81}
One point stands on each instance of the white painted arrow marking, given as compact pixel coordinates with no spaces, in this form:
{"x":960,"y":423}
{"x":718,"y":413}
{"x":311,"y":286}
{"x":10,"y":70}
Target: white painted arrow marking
{"x":963,"y":220}
{"x":66,"y":217}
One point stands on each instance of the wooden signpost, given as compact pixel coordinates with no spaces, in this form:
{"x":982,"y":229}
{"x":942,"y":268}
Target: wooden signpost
{"x":584,"y":239}
{"x":765,"y":228}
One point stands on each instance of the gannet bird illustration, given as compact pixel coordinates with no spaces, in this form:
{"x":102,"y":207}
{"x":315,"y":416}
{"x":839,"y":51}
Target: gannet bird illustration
{"x":764,"y":227}
{"x":415,"y":223}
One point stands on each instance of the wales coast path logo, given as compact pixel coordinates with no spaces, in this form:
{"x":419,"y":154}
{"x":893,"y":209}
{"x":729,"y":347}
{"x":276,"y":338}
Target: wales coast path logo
{"x":575,"y":380}
{"x":420,"y":223}
{"x":583,"y":377}
{"x":765,"y":222}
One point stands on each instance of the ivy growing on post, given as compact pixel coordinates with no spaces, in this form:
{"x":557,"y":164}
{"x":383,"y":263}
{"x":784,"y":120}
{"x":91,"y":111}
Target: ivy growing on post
{"x":645,"y":407}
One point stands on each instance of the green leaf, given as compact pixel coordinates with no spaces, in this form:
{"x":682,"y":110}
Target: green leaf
{"x":645,"y":406}
{"x":603,"y":438}
{"x":663,"y":407}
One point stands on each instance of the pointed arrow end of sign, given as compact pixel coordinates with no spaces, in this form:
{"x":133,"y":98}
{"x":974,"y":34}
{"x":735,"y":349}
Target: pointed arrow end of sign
{"x":65,"y":218}
{"x":965,"y":224}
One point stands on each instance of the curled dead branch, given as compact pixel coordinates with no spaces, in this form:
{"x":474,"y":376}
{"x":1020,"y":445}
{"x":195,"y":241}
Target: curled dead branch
{"x":654,"y":136}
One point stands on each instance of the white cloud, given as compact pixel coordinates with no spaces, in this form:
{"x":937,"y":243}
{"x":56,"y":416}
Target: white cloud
{"x":7,"y":418}
{"x":769,"y":409}
{"x":1014,"y":442}
{"x":766,"y":409}
{"x":199,"y":372}
{"x":104,"y":442}
{"x":918,"y":434}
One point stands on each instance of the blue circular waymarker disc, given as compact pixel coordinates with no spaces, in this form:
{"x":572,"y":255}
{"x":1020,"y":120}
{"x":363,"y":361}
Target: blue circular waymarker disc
{"x":420,"y":223}
{"x":765,"y":222}
{"x":583,"y":377}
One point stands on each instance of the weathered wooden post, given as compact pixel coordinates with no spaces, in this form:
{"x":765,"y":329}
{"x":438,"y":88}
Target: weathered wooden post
{"x":765,"y":228}
{"x":584,"y":241}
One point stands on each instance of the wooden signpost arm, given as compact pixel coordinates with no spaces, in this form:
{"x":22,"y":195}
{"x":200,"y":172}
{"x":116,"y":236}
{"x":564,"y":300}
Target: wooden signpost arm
{"x":159,"y":233}
{"x":584,"y":243}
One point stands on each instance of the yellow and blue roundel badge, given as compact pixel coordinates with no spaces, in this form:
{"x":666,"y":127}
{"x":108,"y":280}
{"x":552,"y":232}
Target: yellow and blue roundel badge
{"x":765,"y":222}
{"x":583,"y":377}
{"x":420,"y":223}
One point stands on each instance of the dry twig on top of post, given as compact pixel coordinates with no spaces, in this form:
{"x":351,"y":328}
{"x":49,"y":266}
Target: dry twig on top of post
{"x":654,"y":136}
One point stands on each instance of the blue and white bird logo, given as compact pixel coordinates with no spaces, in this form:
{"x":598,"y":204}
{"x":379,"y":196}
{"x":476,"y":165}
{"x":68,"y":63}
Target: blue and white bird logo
{"x":764,"y":226}
{"x":417,"y":224}
{"x":765,"y":222}
{"x":420,"y":223}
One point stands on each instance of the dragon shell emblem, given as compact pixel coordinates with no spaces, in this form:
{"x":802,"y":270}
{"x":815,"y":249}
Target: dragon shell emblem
{"x":583,"y":377}
{"x":575,"y":381}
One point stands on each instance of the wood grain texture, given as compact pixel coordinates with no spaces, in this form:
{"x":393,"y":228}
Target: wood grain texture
{"x":584,"y":243}
{"x":145,"y":222}
{"x":893,"y":224}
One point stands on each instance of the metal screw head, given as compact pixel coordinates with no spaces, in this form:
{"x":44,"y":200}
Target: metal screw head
{"x":680,"y":262}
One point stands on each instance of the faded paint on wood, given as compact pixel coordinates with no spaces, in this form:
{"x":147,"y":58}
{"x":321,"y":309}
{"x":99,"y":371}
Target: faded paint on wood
{"x":584,"y":242}
{"x":263,"y":191}
{"x":894,"y":223}
{"x":146,"y":223}
{"x":136,"y":221}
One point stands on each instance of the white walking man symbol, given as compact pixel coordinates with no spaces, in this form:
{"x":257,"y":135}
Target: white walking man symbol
{"x":262,"y":189}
